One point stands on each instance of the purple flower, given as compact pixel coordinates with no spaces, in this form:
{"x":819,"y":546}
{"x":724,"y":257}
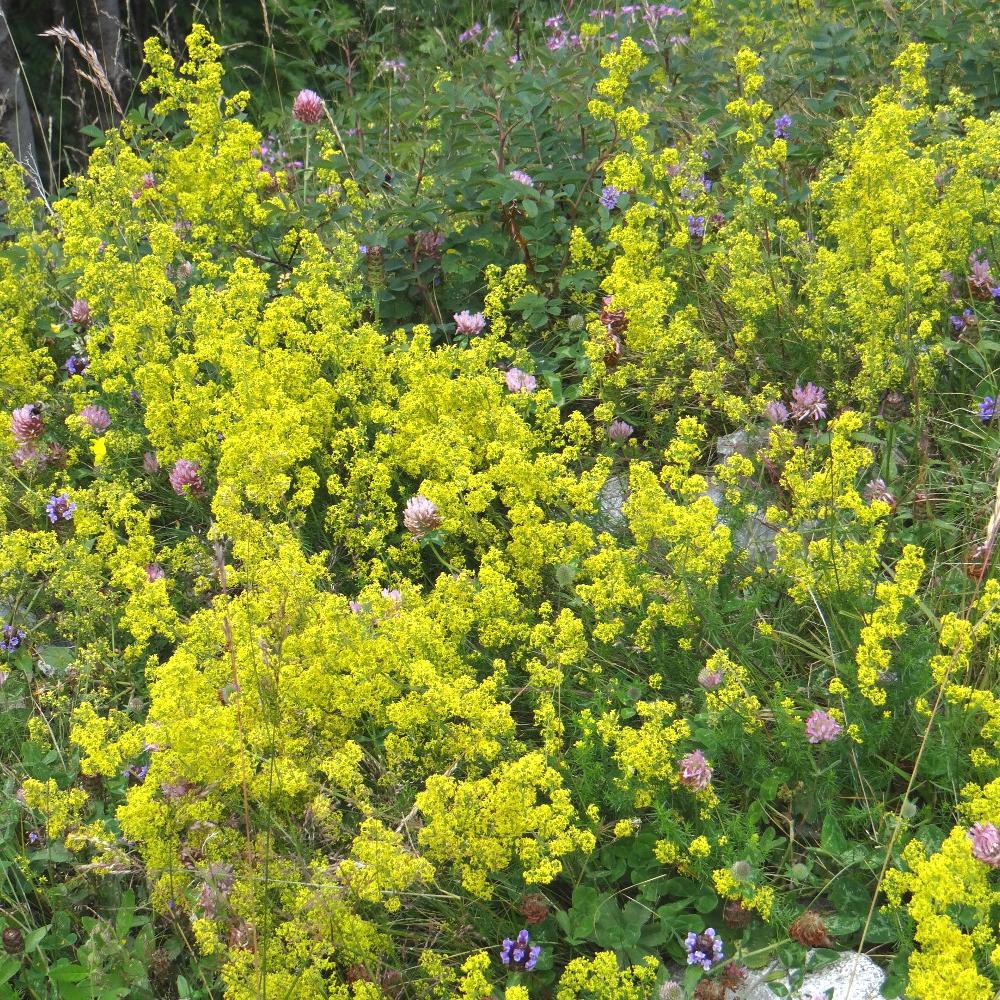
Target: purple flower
{"x":704,"y":949}
{"x":979,"y":273}
{"x":10,"y":638}
{"x":420,"y":516}
{"x":877,"y":490}
{"x":987,"y":409}
{"x":150,"y":464}
{"x":557,"y":41}
{"x":393,"y":595}
{"x":308,"y":107}
{"x":985,"y":839}
{"x":808,"y":402}
{"x":554,"y":21}
{"x":959,"y":323}
{"x":619,"y":431}
{"x":136,"y":773}
{"x":522,"y":178}
{"x":696,"y":226}
{"x":26,"y":423}
{"x":519,"y":381}
{"x":96,"y":418}
{"x":470,"y":33}
{"x":776,"y":412}
{"x":710,"y":679}
{"x":822,"y":728}
{"x":469,"y":324}
{"x":520,"y":953}
{"x":186,"y":475}
{"x":76,"y":364}
{"x":60,"y":508}
{"x":782,"y":126}
{"x":79,"y":312}
{"x":154,"y":572}
{"x":609,"y":197}
{"x":696,"y":773}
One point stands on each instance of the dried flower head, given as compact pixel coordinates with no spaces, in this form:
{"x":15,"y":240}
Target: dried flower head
{"x":877,"y":490}
{"x":809,"y":929}
{"x":534,"y":908}
{"x":79,"y":312}
{"x":150,"y":464}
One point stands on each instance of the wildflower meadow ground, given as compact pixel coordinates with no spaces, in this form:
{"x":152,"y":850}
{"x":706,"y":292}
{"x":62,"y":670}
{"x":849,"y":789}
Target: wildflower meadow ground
{"x":510,"y":513}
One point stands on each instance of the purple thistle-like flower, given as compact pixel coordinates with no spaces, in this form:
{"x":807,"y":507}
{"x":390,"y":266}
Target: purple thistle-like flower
{"x":704,"y":949}
{"x":979,"y":273}
{"x":154,"y":572}
{"x":308,"y":107}
{"x":822,"y":728}
{"x":776,"y":412}
{"x":985,"y":839}
{"x":710,"y":679}
{"x":76,"y":364}
{"x":808,"y":402}
{"x":522,"y":178}
{"x":60,"y":508}
{"x":96,"y":418}
{"x":79,"y":312}
{"x":696,"y":773}
{"x":609,"y":197}
{"x":987,"y":409}
{"x":520,"y":381}
{"x":782,"y":126}
{"x":520,"y":953}
{"x":186,"y":476}
{"x":420,"y":516}
{"x":696,"y":226}
{"x":26,"y":423}
{"x":619,"y":431}
{"x":469,"y":324}
{"x":10,"y":638}
{"x":470,"y":33}
{"x":554,"y":21}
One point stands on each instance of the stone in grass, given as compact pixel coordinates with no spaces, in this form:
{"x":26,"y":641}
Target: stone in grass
{"x":848,"y":977}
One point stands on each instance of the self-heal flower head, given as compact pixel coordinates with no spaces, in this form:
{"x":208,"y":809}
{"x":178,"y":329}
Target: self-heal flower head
{"x":987,"y":409}
{"x":520,"y":381}
{"x":696,"y":226}
{"x":985,"y":838}
{"x":420,"y":516}
{"x":609,"y":197}
{"x":522,"y":178}
{"x":876,"y":489}
{"x":960,"y":323}
{"x":308,"y":107}
{"x":619,"y":431}
{"x":704,"y":949}
{"x":26,"y":423}
{"x":10,"y":638}
{"x":822,"y":728}
{"x":808,"y":402}
{"x":470,"y":33}
{"x":782,"y":126}
{"x":185,"y":476}
{"x":60,"y":508}
{"x":96,"y":418}
{"x":696,"y":773}
{"x":469,"y":324}
{"x":519,"y":952}
{"x":76,"y":364}
{"x":79,"y":312}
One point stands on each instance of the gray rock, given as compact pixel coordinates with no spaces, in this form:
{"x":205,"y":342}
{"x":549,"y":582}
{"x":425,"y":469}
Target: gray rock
{"x":849,"y":977}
